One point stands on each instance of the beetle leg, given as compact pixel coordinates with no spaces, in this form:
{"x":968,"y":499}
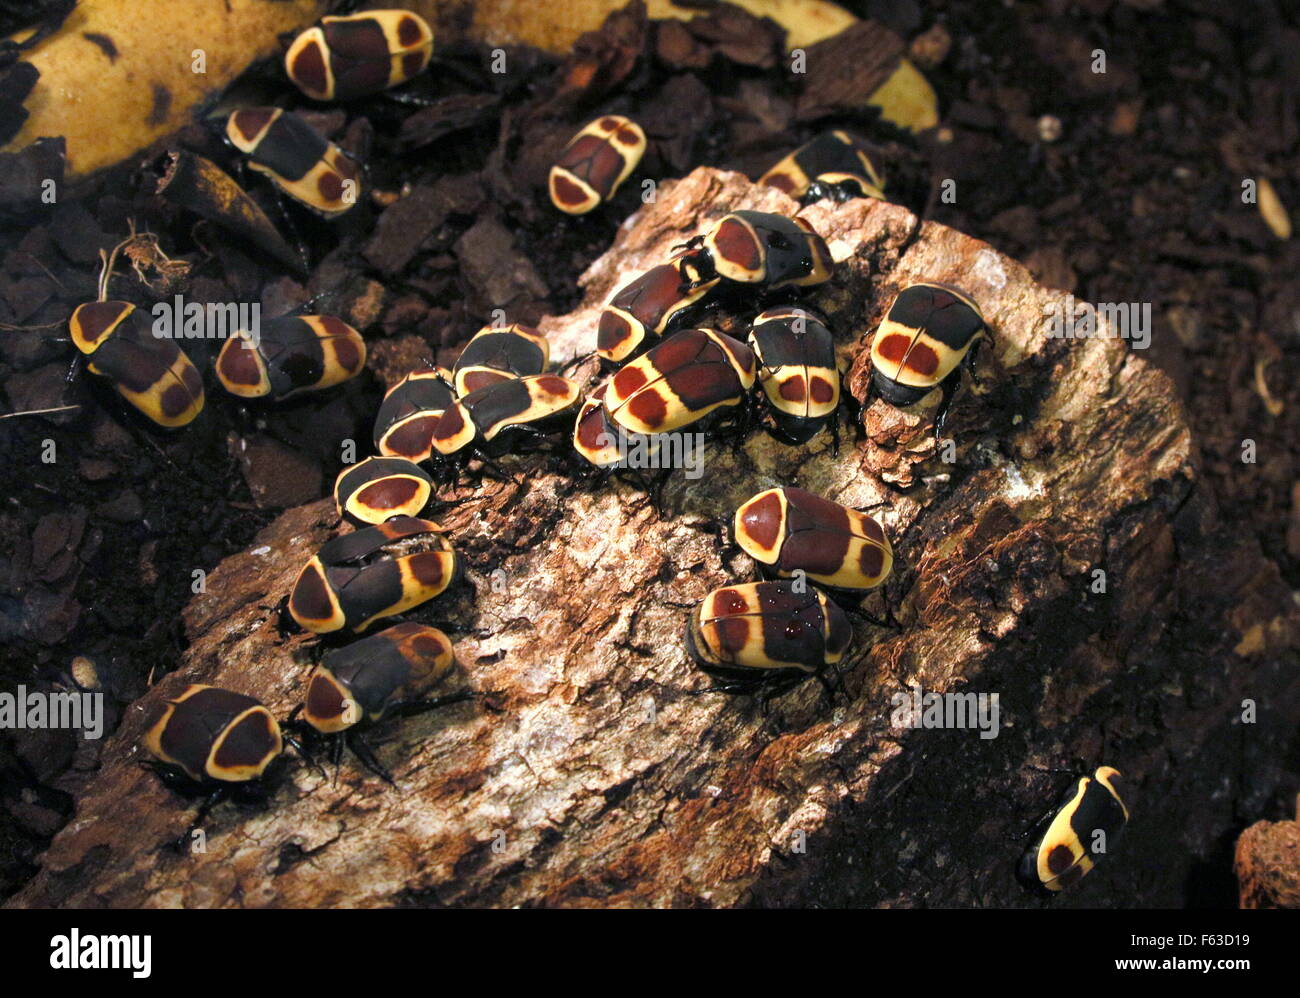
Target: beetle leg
{"x":367,"y":756}
{"x":303,"y":754}
{"x":949,"y":388}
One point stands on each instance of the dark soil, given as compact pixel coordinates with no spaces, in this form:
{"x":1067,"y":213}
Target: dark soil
{"x":1138,"y":199}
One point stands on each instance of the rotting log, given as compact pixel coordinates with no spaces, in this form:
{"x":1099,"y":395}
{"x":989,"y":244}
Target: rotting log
{"x":603,"y":781}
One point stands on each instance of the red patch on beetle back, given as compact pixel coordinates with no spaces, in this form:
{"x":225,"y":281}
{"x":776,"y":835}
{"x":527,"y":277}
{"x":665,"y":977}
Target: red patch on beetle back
{"x":1059,"y":860}
{"x":629,"y":380}
{"x":330,"y":185}
{"x":308,"y":69}
{"x":175,"y":400}
{"x":565,"y":191}
{"x":650,"y":408}
{"x":324,"y":700}
{"x":240,"y":364}
{"x":729,"y":601}
{"x":427,"y":646}
{"x":348,"y":353}
{"x":872,"y":529}
{"x":613,"y":331}
{"x":922,"y":360}
{"x":94,"y":317}
{"x":871,"y":561}
{"x":554,"y":385}
{"x":628,"y":136}
{"x":894,"y":347}
{"x":451,"y":423}
{"x":782,"y":182}
{"x":821,"y":390}
{"x":389,"y":493}
{"x":414,"y":437}
{"x":310,"y":599}
{"x":792,"y":389}
{"x":609,"y":124}
{"x":250,"y":121}
{"x":733,"y":634}
{"x":248,"y":743}
{"x":408,"y":31}
{"x":737,"y":244}
{"x":427,"y":568}
{"x":762,"y":521}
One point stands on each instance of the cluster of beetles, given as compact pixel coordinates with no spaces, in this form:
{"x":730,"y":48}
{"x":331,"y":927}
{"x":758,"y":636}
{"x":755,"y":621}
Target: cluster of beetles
{"x":659,"y":375}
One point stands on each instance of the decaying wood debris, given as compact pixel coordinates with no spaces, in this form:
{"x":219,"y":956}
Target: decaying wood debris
{"x":600,"y":780}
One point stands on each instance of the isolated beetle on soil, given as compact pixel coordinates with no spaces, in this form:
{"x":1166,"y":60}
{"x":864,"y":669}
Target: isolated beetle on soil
{"x":1070,"y":840}
{"x":357,"y":55}
{"x":376,"y":572}
{"x":309,"y":168}
{"x":595,"y":163}
{"x":290,"y":355}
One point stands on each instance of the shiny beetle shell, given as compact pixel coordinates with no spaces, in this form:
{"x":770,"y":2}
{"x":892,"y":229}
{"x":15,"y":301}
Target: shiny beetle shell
{"x":360,"y":681}
{"x":153,"y":374}
{"x":1069,"y":841}
{"x":379,"y":488}
{"x":927,"y":332}
{"x":595,"y":163}
{"x":409,"y":414}
{"x":841,"y":187}
{"x":833,"y":152}
{"x":680,"y":381}
{"x":759,"y":247}
{"x":499,"y":354}
{"x":212,"y":734}
{"x":290,"y":355}
{"x":790,"y":529}
{"x":376,"y":572}
{"x":307,"y":167}
{"x":648,"y":306}
{"x":356,"y":55}
{"x":481,"y":416}
{"x":797,"y":369}
{"x":754,"y":630}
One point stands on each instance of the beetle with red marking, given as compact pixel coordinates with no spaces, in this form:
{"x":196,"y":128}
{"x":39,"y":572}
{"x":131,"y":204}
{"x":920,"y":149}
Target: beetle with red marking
{"x":595,"y":163}
{"x":649,"y":306}
{"x":357,"y":55}
{"x":1070,"y":839}
{"x":797,"y":369}
{"x":379,"y":488}
{"x":833,"y":154}
{"x":929,"y":331}
{"x":767,"y":637}
{"x":299,"y":161}
{"x":762,"y":248}
{"x":685,"y":378}
{"x":376,"y":572}
{"x":788,"y":530}
{"x":485,"y":421}
{"x":409,"y":414}
{"x":153,"y":374}
{"x":500,"y":354}
{"x":290,"y":355}
{"x":389,"y":673}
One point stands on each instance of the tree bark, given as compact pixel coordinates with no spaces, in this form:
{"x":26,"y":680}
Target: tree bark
{"x":602,"y":781}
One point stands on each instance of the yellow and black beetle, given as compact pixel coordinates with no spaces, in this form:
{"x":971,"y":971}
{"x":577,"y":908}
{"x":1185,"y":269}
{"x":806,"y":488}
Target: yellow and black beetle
{"x":595,"y":163}
{"x":409,"y":414}
{"x":376,"y":572}
{"x":499,"y":354}
{"x":789,"y":529}
{"x":484,"y":421}
{"x":309,"y":168}
{"x":798,"y":372}
{"x":388,"y":673}
{"x":762,"y":248}
{"x":834,"y":162}
{"x":357,"y":55}
{"x":1070,"y":840}
{"x":920,"y":345}
{"x":289,"y":355}
{"x":379,"y":488}
{"x":767,"y":637}
{"x":648,"y":306}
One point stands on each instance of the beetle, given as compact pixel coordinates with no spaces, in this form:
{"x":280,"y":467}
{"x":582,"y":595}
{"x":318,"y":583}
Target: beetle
{"x":929,"y":331}
{"x":680,"y":381}
{"x":290,"y":355}
{"x":499,"y":354}
{"x":796,"y":367}
{"x":213,"y":741}
{"x":486,"y":419}
{"x":788,"y":529}
{"x":1070,"y":839}
{"x":375,"y":572}
{"x":357,"y":55}
{"x":761,"y":247}
{"x":409,"y":414}
{"x":595,"y":163}
{"x":379,"y":488}
{"x":767,"y":637}
{"x":153,"y":374}
{"x":649,"y":305}
{"x":835,"y":152}
{"x":388,"y":673}
{"x":309,"y":168}
{"x":841,"y":187}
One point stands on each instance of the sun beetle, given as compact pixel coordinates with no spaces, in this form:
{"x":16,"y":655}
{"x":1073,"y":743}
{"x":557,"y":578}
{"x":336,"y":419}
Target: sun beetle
{"x":767,"y":637}
{"x":409,"y":414}
{"x":153,"y":374}
{"x":309,"y":168}
{"x":595,"y":162}
{"x":388,"y":673}
{"x":797,"y":369}
{"x":789,"y":529}
{"x":648,"y":306}
{"x":375,"y":572}
{"x":289,"y":355}
{"x":500,"y":354}
{"x":920,"y":345}
{"x":379,"y":488}
{"x":835,"y":153}
{"x":357,"y":55}
{"x":763,"y":248}
{"x":680,"y":382}
{"x":484,"y":421}
{"x":1071,"y":838}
